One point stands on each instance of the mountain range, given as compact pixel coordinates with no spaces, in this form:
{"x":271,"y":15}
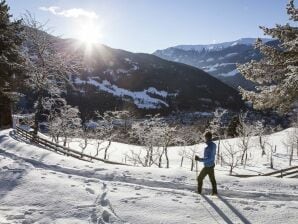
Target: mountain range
{"x":219,"y":59}
{"x":120,"y":79}
{"x":114,"y":79}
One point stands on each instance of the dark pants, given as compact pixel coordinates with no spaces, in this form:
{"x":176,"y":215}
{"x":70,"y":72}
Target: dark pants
{"x":204,"y":172}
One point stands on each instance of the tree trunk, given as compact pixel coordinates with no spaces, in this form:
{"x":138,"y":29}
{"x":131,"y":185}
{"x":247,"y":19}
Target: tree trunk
{"x":245,"y":159}
{"x":191,"y":167}
{"x":181,"y":163}
{"x":291,"y":155}
{"x":218,"y":151}
{"x":5,"y":112}
{"x":37,"y":114}
{"x":85,"y":143}
{"x":167,"y":158}
{"x":160,"y":159}
{"x":275,"y":148}
{"x":262,"y":146}
{"x":106,"y":150}
{"x":271,"y":159}
{"x":65,"y":141}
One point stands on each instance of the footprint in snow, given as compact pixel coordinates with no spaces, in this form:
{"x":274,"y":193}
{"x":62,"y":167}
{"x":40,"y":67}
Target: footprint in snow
{"x":28,"y":212}
{"x":106,"y":216}
{"x":91,"y":191}
{"x":250,"y":208}
{"x":18,"y":216}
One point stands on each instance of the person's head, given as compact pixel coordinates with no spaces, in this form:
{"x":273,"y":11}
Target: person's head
{"x":208,"y":136}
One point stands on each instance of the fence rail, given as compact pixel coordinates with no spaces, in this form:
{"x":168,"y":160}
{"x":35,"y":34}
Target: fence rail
{"x":283,"y":172}
{"x":61,"y":149}
{"x":278,"y":173}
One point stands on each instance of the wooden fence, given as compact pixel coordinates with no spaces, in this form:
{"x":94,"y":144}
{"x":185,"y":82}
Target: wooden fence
{"x":61,"y":149}
{"x":278,"y":173}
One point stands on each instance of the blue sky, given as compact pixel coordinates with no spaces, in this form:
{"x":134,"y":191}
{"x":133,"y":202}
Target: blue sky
{"x":148,"y":25}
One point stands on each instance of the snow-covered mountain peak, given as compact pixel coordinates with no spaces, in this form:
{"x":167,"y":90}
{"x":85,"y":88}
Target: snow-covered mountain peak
{"x":219,"y":46}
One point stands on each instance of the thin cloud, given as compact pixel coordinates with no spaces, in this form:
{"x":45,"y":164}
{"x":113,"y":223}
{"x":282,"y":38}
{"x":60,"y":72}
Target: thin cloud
{"x":70,"y":13}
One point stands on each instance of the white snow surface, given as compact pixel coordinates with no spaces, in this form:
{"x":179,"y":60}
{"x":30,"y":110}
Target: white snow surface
{"x":140,"y":98}
{"x":40,"y":186}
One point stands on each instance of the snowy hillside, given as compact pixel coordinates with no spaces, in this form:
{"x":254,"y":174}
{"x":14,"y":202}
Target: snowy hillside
{"x":40,"y":186}
{"x":141,"y":99}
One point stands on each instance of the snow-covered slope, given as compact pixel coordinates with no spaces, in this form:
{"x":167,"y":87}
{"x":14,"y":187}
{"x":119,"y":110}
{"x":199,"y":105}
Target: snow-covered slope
{"x":141,"y":99}
{"x":40,"y":186}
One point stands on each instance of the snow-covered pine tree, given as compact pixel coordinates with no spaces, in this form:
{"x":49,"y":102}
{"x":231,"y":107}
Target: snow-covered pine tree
{"x":10,"y":61}
{"x":277,"y":71}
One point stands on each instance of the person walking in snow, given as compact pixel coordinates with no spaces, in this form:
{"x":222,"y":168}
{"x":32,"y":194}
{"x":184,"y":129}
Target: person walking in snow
{"x":208,"y":160}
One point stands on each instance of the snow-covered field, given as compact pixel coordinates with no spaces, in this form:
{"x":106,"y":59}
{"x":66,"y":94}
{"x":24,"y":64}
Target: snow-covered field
{"x":40,"y":186}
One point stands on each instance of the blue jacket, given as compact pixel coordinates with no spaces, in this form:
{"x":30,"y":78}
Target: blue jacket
{"x":209,"y":154}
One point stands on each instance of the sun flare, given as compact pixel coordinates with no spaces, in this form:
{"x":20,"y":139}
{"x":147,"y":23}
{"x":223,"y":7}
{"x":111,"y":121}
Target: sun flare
{"x":89,"y":33}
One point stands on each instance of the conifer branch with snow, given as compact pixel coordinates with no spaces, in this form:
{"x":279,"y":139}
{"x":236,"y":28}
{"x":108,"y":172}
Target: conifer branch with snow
{"x":276,"y":73}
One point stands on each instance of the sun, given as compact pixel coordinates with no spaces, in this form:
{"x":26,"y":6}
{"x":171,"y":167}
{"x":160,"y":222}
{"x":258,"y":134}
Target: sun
{"x":89,"y":32}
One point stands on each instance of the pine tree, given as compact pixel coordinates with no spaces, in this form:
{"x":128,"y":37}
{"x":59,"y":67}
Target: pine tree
{"x":10,"y":61}
{"x":276,"y":73}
